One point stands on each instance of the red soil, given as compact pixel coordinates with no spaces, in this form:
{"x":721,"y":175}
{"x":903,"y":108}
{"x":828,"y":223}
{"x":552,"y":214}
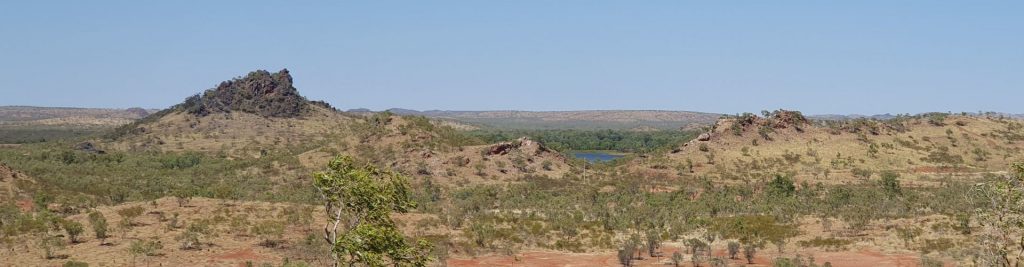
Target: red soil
{"x":863,"y":258}
{"x":240,"y":256}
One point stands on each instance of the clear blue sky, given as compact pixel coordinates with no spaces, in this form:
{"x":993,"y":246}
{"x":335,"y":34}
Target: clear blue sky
{"x":863,"y":57}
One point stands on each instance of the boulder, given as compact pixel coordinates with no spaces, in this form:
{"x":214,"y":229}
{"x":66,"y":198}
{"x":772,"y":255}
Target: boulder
{"x":89,"y":147}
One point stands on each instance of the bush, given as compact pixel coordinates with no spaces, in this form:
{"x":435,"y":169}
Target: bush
{"x":781,"y":186}
{"x":129,"y":214}
{"x":75,"y":264}
{"x":890,"y":183}
{"x":749,"y":252}
{"x":73,"y":229}
{"x":270,"y":231}
{"x":185,"y":161}
{"x":99,"y":225}
{"x":193,"y":235}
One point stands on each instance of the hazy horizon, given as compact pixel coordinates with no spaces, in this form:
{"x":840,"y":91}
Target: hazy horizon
{"x":866,"y":57}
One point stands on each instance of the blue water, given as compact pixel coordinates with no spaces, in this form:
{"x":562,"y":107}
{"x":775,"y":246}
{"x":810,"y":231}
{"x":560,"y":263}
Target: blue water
{"x":593,"y":157}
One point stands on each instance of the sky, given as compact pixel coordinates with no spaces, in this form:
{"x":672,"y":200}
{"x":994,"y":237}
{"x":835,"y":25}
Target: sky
{"x":819,"y":57}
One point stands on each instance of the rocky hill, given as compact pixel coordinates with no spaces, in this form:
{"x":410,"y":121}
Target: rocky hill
{"x":263,"y":115}
{"x":924,"y":146}
{"x":260,"y":92}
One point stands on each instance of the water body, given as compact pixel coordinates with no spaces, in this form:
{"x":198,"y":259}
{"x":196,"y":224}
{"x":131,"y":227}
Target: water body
{"x":596,"y":156}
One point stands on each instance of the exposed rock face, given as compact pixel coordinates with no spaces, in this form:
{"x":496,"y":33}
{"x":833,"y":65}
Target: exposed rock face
{"x":89,"y":147}
{"x":704,"y":137}
{"x":260,"y":92}
{"x":522,"y":144}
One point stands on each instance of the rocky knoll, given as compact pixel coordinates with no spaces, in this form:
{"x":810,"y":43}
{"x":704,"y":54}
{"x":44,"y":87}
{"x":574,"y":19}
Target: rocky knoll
{"x":260,"y":92}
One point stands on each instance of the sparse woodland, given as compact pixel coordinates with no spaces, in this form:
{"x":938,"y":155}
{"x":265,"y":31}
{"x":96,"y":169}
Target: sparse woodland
{"x":229,"y":188}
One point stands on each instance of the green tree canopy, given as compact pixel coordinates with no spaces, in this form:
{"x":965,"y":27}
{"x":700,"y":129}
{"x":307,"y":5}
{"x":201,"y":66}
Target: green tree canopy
{"x":359,"y":201}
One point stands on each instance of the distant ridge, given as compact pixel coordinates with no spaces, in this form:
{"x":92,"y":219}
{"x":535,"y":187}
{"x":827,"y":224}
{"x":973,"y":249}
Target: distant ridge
{"x":582,"y":119}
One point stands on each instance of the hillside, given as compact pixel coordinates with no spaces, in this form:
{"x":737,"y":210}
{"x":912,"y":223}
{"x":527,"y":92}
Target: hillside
{"x":580,"y":120}
{"x":14,"y":185}
{"x":752,"y":147}
{"x":23,"y":124}
{"x":263,"y":115}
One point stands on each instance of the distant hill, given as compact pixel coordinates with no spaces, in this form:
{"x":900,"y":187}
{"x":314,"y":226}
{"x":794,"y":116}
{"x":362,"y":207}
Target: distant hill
{"x":24,"y":124}
{"x":27,"y":115}
{"x":583,"y":120}
{"x":851,"y":117}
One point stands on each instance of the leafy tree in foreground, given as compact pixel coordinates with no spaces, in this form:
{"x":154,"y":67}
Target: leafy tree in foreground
{"x":358,"y":201}
{"x":1003,"y":222}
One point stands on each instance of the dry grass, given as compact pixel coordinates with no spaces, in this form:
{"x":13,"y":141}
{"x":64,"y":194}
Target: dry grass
{"x":819,"y":155}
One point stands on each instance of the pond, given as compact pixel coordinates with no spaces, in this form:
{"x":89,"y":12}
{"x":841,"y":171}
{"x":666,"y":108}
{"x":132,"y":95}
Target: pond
{"x":597,"y":156}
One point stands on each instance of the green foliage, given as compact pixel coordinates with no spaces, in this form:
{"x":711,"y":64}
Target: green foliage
{"x":752,"y":229}
{"x":941,"y":155}
{"x":118,"y":177}
{"x":1003,"y":218}
{"x":144,"y":248}
{"x":39,"y":134}
{"x":194,"y":234}
{"x":781,"y":186}
{"x":183,"y":161}
{"x":73,"y":229}
{"x":49,"y":244}
{"x":99,"y":225}
{"x":830,"y":243}
{"x":734,"y":249}
{"x":936,"y":118}
{"x":570,"y":140}
{"x":890,"y":183}
{"x":364,"y":198}
{"x":270,"y":231}
{"x":749,"y":251}
{"x":129,"y":214}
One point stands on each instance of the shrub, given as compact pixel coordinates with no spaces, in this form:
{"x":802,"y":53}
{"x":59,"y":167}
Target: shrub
{"x":890,"y":183}
{"x":781,"y":186}
{"x":144,"y":248}
{"x":75,"y":264}
{"x":826,"y":243}
{"x":130,"y":213}
{"x":193,"y":235}
{"x":270,"y":231}
{"x":73,"y":229}
{"x":99,"y":225}
{"x":677,"y":258}
{"x":50,"y":243}
{"x":749,"y":252}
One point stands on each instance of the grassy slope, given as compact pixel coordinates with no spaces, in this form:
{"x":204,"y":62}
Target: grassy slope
{"x":973,"y":145}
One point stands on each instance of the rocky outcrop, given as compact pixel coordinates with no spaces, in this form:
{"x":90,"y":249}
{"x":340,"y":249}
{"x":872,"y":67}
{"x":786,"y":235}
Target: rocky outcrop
{"x":260,"y":92}
{"x":522,"y":144}
{"x":89,"y":147}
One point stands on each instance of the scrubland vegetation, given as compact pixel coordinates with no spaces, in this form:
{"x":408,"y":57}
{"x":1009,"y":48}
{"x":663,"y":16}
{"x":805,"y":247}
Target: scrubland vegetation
{"x":196,"y":184}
